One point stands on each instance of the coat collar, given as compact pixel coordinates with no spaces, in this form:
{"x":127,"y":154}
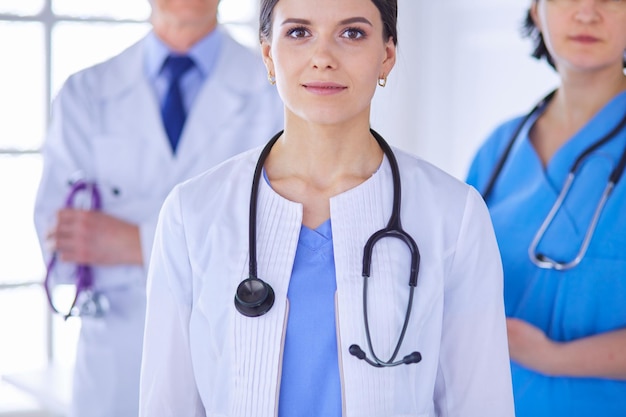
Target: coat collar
{"x":223,"y":95}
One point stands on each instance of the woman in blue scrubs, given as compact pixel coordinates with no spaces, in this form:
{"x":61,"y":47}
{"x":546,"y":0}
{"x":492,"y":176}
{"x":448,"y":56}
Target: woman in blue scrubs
{"x":566,"y":319}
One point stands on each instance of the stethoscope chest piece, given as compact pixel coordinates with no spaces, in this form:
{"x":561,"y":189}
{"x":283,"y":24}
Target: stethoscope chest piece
{"x":254,"y":297}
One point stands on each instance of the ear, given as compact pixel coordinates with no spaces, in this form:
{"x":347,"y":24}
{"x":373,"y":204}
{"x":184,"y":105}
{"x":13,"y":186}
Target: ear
{"x":390,"y":56}
{"x":534,"y":14}
{"x":266,"y":53}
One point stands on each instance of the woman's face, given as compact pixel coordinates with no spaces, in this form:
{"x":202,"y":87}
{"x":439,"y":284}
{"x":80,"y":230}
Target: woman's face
{"x":583,"y":35}
{"x":327,"y":56}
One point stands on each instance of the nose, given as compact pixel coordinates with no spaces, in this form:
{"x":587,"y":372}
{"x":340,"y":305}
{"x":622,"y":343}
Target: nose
{"x":587,"y":10}
{"x":324,"y":53}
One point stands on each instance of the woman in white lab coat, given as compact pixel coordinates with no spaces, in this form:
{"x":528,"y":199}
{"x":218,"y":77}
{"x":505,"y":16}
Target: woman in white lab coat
{"x":324,"y":187}
{"x":106,"y":127}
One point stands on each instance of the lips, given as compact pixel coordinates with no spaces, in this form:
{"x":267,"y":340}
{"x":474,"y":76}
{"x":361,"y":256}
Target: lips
{"x":584,"y":38}
{"x":324,"y":88}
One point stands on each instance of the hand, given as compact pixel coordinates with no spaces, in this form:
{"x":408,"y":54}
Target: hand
{"x":95,"y":238}
{"x":530,"y":347}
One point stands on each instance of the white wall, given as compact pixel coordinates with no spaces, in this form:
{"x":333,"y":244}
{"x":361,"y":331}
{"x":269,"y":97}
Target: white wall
{"x":462,"y":68}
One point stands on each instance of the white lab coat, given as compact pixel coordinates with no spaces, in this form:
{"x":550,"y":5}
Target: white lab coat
{"x":106,"y":127}
{"x":201,"y":357}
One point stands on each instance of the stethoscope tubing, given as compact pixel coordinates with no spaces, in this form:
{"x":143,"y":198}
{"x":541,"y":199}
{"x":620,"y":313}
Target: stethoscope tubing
{"x":252,"y":263}
{"x":394,"y":226}
{"x":377,"y":362}
{"x":509,"y":147}
{"x":542,"y":260}
{"x":254,"y":297}
{"x":84,"y":273}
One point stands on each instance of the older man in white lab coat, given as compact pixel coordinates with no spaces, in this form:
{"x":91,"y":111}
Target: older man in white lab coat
{"x":107,"y":127}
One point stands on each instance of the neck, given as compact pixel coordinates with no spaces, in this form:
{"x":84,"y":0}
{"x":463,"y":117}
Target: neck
{"x":582,"y":95}
{"x":324,"y":155}
{"x":311,"y":163}
{"x":178,"y":35}
{"x":579,"y":98}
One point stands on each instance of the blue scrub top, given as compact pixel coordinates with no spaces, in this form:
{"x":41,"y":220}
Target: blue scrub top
{"x":567,"y":305}
{"x":310,"y":383}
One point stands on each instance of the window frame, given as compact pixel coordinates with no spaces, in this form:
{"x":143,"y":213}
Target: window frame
{"x":48,"y":19}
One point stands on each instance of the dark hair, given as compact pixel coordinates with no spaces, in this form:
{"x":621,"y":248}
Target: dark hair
{"x":388,"y":12}
{"x":530,"y":30}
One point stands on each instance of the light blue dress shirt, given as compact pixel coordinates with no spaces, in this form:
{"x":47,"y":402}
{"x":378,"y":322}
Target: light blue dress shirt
{"x":204,"y":54}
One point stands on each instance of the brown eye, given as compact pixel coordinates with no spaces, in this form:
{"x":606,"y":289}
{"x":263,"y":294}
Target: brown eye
{"x":297,"y":32}
{"x":353,"y":33}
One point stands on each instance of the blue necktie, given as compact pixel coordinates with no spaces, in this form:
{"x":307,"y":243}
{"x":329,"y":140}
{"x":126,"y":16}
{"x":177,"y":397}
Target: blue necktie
{"x":173,"y":111}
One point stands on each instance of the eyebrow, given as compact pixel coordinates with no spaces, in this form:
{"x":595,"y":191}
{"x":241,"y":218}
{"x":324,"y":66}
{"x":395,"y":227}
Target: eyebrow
{"x":348,"y":21}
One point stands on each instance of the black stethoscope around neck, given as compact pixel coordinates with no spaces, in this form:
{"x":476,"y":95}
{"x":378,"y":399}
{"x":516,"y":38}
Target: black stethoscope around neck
{"x":540,"y":259}
{"x":255,"y":297}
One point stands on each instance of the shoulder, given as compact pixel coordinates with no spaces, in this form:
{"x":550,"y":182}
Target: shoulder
{"x":440,"y":208}
{"x":491,"y":150}
{"x":430,"y":193}
{"x":219,"y":184}
{"x":237,"y":51}
{"x":240,"y":67}
{"x":427,"y":178}
{"x":501,"y":135}
{"x":110,"y":76}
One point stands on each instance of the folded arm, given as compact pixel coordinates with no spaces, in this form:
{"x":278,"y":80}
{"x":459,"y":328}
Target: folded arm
{"x":598,"y":356}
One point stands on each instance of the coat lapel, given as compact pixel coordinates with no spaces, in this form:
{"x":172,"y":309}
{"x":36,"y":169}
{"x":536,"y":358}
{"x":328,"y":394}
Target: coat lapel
{"x":125,"y":87}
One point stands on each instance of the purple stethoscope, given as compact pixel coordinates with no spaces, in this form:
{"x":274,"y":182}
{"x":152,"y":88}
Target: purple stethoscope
{"x":87,"y":302}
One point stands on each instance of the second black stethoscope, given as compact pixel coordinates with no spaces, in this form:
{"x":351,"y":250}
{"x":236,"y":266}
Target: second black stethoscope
{"x":255,"y":297}
{"x":540,"y":259}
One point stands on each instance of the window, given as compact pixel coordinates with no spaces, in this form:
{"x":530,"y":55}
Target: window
{"x":44,"y":41}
